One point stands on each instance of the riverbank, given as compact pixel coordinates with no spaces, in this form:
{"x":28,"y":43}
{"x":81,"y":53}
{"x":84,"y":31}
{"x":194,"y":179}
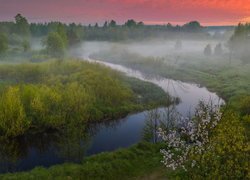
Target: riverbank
{"x":57,"y":102}
{"x":47,"y":95}
{"x":122,"y":164}
{"x":228,"y":79}
{"x":231,"y":131}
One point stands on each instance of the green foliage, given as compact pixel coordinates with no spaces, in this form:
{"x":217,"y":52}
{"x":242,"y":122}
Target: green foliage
{"x":122,"y":164}
{"x":244,"y":105}
{"x":130,"y":23}
{"x":52,"y":95}
{"x":22,"y":25}
{"x":26,"y":46}
{"x":55,"y":45}
{"x":112,"y":23}
{"x":13,"y":119}
{"x":63,"y":34}
{"x":228,"y":153}
{"x":240,"y":42}
{"x":75,"y":34}
{"x":228,"y":159}
{"x":193,"y":26}
{"x":3,"y":43}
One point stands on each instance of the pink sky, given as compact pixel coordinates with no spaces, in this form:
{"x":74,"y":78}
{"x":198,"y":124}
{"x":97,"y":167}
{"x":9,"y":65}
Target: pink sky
{"x":208,"y":12}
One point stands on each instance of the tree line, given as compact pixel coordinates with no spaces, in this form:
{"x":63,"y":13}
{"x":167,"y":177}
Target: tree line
{"x":58,"y":36}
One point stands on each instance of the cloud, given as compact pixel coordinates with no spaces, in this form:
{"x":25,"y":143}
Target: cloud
{"x":86,"y":11}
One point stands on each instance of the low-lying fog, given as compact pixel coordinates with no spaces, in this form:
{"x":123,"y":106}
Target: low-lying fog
{"x":153,"y":48}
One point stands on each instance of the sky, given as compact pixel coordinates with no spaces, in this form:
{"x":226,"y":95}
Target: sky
{"x":208,"y":12}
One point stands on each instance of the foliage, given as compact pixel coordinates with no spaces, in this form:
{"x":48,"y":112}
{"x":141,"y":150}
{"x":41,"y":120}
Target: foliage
{"x":218,"y":51}
{"x":231,"y":81}
{"x":13,"y":119}
{"x":240,"y":42}
{"x":208,"y":50}
{"x":122,"y":164}
{"x":244,"y":105}
{"x":227,"y":154}
{"x":55,"y":45}
{"x":26,"y":46}
{"x":62,"y":33}
{"x":191,"y":138}
{"x":22,"y":25}
{"x":53,"y":94}
{"x":3,"y":43}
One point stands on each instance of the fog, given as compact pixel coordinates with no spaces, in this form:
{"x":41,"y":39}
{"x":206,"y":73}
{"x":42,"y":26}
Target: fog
{"x":165,"y":49}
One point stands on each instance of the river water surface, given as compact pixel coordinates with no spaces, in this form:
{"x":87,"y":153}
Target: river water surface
{"x":47,"y":149}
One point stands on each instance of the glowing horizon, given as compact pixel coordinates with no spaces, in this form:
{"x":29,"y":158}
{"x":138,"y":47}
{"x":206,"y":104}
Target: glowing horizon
{"x":208,"y":12}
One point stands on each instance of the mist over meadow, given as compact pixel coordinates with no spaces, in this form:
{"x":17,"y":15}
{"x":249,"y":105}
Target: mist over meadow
{"x":124,"y":100}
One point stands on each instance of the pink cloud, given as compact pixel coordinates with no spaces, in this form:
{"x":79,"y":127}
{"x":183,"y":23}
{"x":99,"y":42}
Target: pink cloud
{"x":90,"y":11}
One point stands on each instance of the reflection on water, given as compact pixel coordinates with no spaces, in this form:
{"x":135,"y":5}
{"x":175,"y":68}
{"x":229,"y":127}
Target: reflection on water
{"x":76,"y":142}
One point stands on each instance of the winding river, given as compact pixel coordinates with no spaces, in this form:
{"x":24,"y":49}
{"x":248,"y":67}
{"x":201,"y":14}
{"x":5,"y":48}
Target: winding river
{"x":47,"y":149}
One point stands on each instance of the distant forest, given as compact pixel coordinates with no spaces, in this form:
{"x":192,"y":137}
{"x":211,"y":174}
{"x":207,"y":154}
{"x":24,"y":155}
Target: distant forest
{"x":110,"y":30}
{"x":57,"y":37}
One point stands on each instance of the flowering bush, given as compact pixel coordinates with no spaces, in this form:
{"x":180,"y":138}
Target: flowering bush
{"x":190,"y":138}
{"x":212,"y":145}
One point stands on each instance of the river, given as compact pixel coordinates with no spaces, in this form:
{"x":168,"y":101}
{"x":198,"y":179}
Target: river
{"x":47,"y":149}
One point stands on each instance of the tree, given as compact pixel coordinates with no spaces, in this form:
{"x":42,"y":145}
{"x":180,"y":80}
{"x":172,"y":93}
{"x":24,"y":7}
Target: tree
{"x":130,"y":23}
{"x":62,"y":32}
{"x":105,"y":25}
{"x":26,"y":45}
{"x":140,"y":24}
{"x":3,"y":43}
{"x":112,"y":23}
{"x":218,"y":50}
{"x":240,"y":42}
{"x":55,"y":45}
{"x":22,"y":25}
{"x":169,"y":26}
{"x":208,"y":50}
{"x":193,"y":26}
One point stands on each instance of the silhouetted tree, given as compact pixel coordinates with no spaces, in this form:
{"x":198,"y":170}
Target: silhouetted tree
{"x":193,"y":26}
{"x":208,"y":50}
{"x":112,"y":23}
{"x":218,"y":50}
{"x":140,"y":24}
{"x":22,"y":25}
{"x":105,"y":25}
{"x":130,"y":23}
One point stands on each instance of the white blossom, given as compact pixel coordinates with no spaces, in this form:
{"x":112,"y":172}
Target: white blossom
{"x":196,"y":132}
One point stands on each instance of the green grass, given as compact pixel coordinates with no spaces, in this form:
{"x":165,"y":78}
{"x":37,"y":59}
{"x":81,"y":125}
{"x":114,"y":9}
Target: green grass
{"x":136,"y":161}
{"x":55,"y":93}
{"x":142,"y":161}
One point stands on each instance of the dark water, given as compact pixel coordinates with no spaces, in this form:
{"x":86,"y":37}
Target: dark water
{"x":50,"y":148}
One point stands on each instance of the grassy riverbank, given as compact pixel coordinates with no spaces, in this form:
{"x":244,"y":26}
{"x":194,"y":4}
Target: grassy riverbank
{"x":231,"y":81}
{"x":228,"y":79}
{"x":138,"y":160}
{"x":52,"y":94}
